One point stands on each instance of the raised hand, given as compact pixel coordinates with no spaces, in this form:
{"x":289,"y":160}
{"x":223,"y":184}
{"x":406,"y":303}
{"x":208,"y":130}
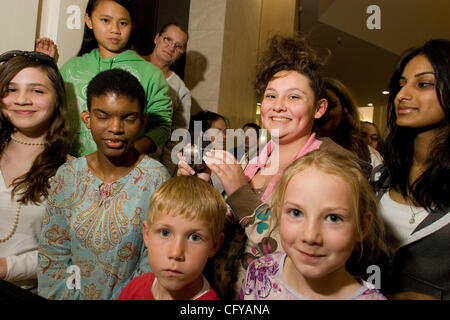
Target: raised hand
{"x":45,"y":45}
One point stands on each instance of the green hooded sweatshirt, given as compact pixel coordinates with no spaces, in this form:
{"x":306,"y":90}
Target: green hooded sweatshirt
{"x":79,"y":71}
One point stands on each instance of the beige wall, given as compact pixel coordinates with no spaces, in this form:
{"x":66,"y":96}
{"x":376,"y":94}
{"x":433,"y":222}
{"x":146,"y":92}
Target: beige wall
{"x":22,"y":21}
{"x":241,"y":41}
{"x":18,"y":21}
{"x":278,"y":17}
{"x":380,"y":117}
{"x":63,"y":22}
{"x":204,"y":53}
{"x":224,"y":42}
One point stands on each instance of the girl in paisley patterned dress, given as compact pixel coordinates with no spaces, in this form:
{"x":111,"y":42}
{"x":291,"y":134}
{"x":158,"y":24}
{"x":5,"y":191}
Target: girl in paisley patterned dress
{"x":324,"y":210}
{"x":97,"y":203}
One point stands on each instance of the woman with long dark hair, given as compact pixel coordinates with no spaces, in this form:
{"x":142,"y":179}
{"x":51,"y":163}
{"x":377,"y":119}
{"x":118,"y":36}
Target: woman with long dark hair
{"x":414,"y":185}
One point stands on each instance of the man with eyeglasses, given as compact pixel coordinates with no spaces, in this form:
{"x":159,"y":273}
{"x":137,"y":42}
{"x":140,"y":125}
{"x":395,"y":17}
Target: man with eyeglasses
{"x":170,"y":44}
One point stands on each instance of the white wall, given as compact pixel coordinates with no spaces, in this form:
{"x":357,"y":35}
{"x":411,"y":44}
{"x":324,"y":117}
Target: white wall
{"x":18,"y":21}
{"x":366,"y":113}
{"x":63,"y":22}
{"x":22,"y":21}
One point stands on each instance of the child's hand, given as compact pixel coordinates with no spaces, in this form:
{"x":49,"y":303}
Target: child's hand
{"x":227,"y":168}
{"x":45,"y":45}
{"x":185,"y":170}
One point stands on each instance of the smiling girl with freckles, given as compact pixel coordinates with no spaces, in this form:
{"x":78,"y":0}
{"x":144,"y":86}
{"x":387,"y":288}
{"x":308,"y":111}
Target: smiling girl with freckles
{"x":324,"y":211}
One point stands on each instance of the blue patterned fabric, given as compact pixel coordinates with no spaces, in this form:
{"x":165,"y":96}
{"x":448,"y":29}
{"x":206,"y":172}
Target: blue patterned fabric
{"x":96,"y":227}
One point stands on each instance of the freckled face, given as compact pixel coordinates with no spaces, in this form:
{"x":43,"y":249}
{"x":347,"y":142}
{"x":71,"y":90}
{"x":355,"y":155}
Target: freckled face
{"x":317,"y":225}
{"x":288,"y":108}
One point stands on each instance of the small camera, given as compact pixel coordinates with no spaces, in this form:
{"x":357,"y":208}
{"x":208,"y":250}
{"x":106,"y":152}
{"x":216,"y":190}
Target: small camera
{"x":194,"y":155}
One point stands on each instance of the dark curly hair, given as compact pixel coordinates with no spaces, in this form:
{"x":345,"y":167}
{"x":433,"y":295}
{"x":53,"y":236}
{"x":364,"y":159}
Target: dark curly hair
{"x":33,"y":185}
{"x":289,"y":53}
{"x":119,"y":82}
{"x":431,"y":190}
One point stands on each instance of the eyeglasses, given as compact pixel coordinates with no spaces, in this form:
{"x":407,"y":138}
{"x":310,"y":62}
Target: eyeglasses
{"x":169,"y":41}
{"x":32,"y":55}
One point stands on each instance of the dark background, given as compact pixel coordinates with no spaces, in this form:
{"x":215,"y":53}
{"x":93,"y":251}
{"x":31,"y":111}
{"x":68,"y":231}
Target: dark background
{"x":151,"y":15}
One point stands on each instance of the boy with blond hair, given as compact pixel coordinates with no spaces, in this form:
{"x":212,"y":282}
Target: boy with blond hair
{"x":183,"y":228}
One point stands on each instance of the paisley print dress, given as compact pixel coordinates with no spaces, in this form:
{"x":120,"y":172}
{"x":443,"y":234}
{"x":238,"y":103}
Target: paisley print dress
{"x":95,"y":228}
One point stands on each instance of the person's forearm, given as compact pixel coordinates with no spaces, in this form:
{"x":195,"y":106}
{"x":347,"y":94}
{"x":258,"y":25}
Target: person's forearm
{"x":21,"y":267}
{"x":145,"y":145}
{"x":3,"y":268}
{"x":243,"y":201}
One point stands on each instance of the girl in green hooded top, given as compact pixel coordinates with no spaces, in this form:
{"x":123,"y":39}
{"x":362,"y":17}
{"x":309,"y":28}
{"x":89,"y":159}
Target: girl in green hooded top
{"x":106,"y":43}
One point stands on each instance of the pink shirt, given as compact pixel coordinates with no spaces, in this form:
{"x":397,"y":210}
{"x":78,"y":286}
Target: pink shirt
{"x":254,"y":166}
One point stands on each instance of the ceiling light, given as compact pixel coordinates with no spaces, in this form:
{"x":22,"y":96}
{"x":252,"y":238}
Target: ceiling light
{"x":385,"y":92}
{"x":370,"y":104}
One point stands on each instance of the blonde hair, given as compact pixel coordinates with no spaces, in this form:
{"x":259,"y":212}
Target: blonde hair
{"x":367,"y":220}
{"x":192,"y":198}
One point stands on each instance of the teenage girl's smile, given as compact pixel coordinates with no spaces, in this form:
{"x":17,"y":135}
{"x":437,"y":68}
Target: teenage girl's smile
{"x":29,"y":102}
{"x":404,"y":108}
{"x":416,"y":103}
{"x":280,"y":119}
{"x":289,"y":106}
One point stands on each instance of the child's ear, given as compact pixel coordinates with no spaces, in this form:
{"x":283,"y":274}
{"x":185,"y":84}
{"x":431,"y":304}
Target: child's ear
{"x":366,"y":223}
{"x":321,"y":108}
{"x":216,"y":245}
{"x":145,"y":229}
{"x":88,"y":21}
{"x":86,"y":117}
